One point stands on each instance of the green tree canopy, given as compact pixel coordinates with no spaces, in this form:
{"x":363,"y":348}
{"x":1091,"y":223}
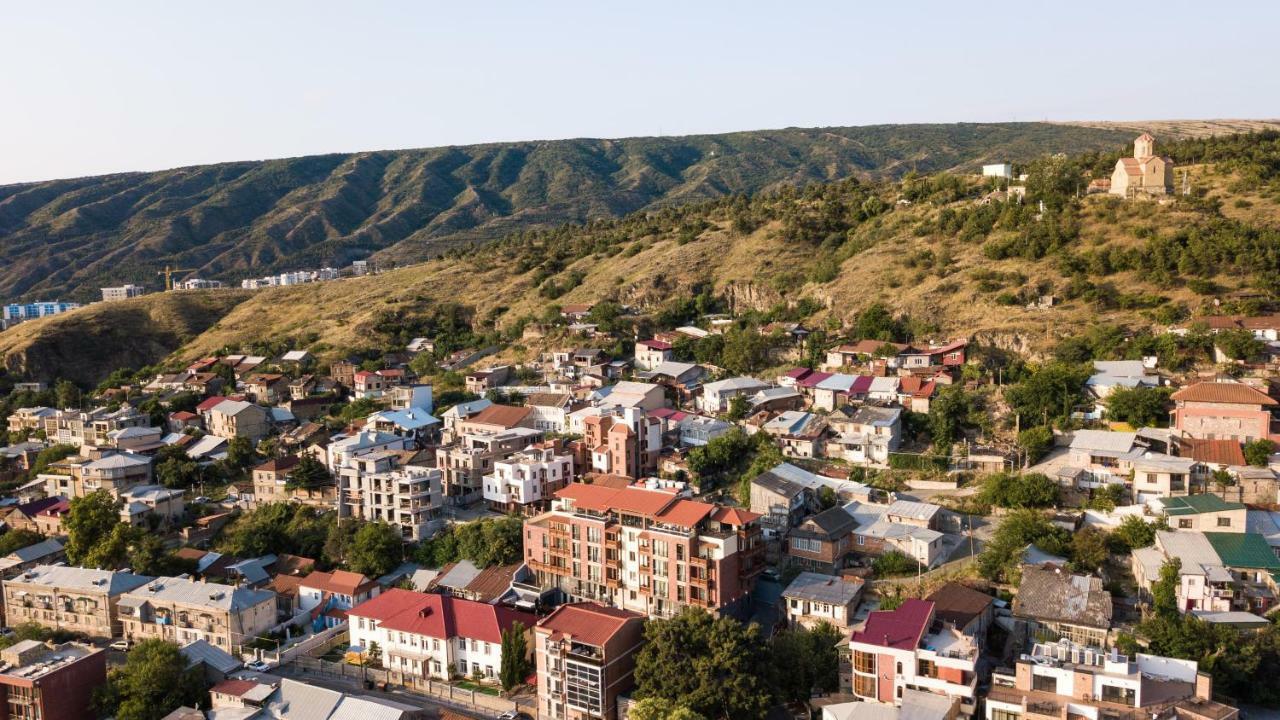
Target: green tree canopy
{"x":375,"y":550}
{"x":515,"y":657}
{"x":656,"y":708}
{"x":90,"y":522}
{"x":1003,"y":553}
{"x":308,"y":473}
{"x":1139,"y":406}
{"x":1134,"y":532}
{"x":718,"y":668}
{"x":18,"y":539}
{"x":1013,"y":490}
{"x":806,"y":660}
{"x":1048,"y":393}
{"x":1258,"y":452}
{"x":153,"y":682}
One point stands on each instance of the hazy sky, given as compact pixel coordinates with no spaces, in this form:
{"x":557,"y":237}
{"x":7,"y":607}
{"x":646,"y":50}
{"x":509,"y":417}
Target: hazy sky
{"x":95,"y":87}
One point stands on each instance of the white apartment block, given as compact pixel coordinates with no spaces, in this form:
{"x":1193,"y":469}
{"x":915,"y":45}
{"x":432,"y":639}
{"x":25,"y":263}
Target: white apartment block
{"x":528,"y":479}
{"x":374,"y":487}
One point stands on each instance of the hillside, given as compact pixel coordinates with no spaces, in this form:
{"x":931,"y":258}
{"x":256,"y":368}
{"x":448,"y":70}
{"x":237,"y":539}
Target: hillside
{"x":66,"y":238}
{"x":87,"y":344}
{"x":949,"y":263}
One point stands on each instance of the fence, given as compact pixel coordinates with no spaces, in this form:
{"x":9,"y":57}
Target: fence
{"x":318,"y":643}
{"x":436,"y":690}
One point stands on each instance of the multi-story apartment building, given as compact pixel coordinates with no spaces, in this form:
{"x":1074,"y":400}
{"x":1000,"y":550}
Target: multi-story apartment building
{"x":650,"y":550}
{"x":122,"y":292}
{"x":41,"y":681}
{"x":527,"y":480}
{"x":182,"y":611}
{"x":237,"y":418}
{"x":908,"y":648}
{"x":585,"y":655}
{"x":115,"y":472}
{"x":429,"y":635}
{"x":466,"y":462}
{"x":1063,"y":680}
{"x":376,"y":487}
{"x":623,"y":442}
{"x":1231,"y":410}
{"x":91,"y":427}
{"x":69,"y":598}
{"x":17,"y":312}
{"x":344,"y":450}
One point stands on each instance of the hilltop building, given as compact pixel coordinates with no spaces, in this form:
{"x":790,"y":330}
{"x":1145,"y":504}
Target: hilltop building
{"x":1143,"y":174}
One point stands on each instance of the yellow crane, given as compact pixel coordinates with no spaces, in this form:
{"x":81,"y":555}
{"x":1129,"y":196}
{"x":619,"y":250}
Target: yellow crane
{"x":169,"y":272}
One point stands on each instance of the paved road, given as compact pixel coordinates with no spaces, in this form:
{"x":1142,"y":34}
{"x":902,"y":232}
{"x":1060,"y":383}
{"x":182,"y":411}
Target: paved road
{"x":765,"y":597}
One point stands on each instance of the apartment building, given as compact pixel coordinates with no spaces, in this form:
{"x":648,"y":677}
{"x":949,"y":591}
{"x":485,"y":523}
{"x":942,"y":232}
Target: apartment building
{"x":909,"y":649}
{"x":376,"y":487}
{"x":526,"y":481}
{"x":90,"y":427}
{"x":115,"y":472}
{"x":343,"y":450}
{"x":585,"y":655}
{"x":182,"y":611}
{"x":122,"y":292}
{"x":429,"y":635}
{"x":70,"y":598}
{"x":1224,"y":410}
{"x":1059,"y":681}
{"x":465,"y":463}
{"x":623,"y":442}
{"x":40,"y":681}
{"x":649,"y":550}
{"x":236,"y":418}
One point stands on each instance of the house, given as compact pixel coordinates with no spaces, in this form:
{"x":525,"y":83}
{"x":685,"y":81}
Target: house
{"x":967,"y":610}
{"x":1220,"y":571}
{"x":915,"y":705}
{"x":697,"y":553}
{"x":329,"y":595}
{"x":454,"y":416}
{"x":237,"y":418}
{"x":916,"y":393}
{"x":652,"y":353}
{"x":1056,"y":604}
{"x":1069,"y":680}
{"x":495,"y":585}
{"x":482,"y":381}
{"x":1206,"y":513}
{"x":527,"y":480}
{"x":1111,"y":374}
{"x":781,"y":501}
{"x":867,"y":434}
{"x":626,"y":443}
{"x":270,"y":478}
{"x":1156,"y":475}
{"x":834,"y":390}
{"x":496,"y":418}
{"x":1104,"y":456}
{"x":878,"y":533}
{"x":418,"y":427}
{"x":69,"y":598}
{"x":821,"y":542}
{"x":630,"y":394}
{"x":585,"y":656}
{"x":575,"y":311}
{"x":696,"y":430}
{"x":799,"y":434}
{"x":1224,"y":410}
{"x":180,"y":610}
{"x":716,"y":396}
{"x":44,"y":681}
{"x":429,"y":635}
{"x":44,"y":552}
{"x":549,"y":411}
{"x":141,"y":503}
{"x":1143,"y":174}
{"x":267,"y":388}
{"x":814,"y":598}
{"x":909,"y":647}
{"x":776,"y":399}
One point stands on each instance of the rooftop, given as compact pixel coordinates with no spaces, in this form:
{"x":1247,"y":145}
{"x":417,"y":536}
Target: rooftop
{"x":587,"y":623}
{"x":900,"y":629}
{"x":1053,"y":594}
{"x":1229,"y":393}
{"x":440,"y":616}
{"x":181,"y":591}
{"x":830,"y":589}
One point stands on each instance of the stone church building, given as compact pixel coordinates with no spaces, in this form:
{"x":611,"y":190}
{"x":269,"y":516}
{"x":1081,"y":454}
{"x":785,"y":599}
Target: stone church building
{"x":1144,"y":173}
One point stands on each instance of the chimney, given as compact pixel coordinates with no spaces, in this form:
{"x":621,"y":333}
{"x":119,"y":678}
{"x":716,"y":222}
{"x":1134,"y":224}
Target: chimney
{"x":1204,"y":686}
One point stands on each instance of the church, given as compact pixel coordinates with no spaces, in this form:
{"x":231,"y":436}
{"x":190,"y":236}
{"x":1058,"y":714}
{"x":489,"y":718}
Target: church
{"x":1144,"y":173}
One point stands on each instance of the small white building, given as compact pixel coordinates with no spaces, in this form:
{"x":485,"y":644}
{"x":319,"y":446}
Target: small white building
{"x":1004,"y":171}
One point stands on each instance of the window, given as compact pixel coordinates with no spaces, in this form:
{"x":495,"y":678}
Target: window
{"x":1045,"y":683}
{"x":864,"y":686}
{"x":864,"y":662}
{"x":1224,"y":522}
{"x":1118,"y":694}
{"x":998,"y":714}
{"x":927,"y":668}
{"x":1185,"y":523}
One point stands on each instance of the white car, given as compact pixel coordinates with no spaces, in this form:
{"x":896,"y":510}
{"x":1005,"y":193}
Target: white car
{"x":121,"y":645}
{"x":257,"y":666}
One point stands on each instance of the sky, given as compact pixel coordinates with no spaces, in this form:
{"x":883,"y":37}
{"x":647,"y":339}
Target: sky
{"x":93,"y":87}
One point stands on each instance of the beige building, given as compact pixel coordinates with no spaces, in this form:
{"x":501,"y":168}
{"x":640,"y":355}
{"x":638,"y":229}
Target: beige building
{"x":236,"y":418}
{"x":183,"y":611}
{"x":1143,"y":174}
{"x":69,"y":598}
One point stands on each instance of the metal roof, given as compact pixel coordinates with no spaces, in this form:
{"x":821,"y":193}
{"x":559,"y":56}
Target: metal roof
{"x":823,"y":588}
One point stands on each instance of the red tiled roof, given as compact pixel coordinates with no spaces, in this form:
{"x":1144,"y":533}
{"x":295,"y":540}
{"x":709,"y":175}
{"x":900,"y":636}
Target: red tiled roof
{"x":798,"y":373}
{"x":440,"y":616}
{"x":1229,"y":393}
{"x":343,"y":582}
{"x":734,"y":516}
{"x":900,"y":629}
{"x":209,"y":404}
{"x":587,"y":623}
{"x":636,"y":500}
{"x":655,"y":344}
{"x":507,"y":416}
{"x":183,"y":415}
{"x":686,"y":513}
{"x":280,"y":464}
{"x":814,"y":378}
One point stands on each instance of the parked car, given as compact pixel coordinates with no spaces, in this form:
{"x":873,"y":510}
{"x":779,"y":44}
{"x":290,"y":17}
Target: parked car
{"x":257,"y":666}
{"x":121,"y":645}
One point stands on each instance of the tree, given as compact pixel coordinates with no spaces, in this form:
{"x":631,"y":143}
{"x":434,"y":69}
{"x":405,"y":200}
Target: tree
{"x":745,"y":351}
{"x":655,"y":708}
{"x":1035,"y":442}
{"x":1258,"y":452}
{"x":827,"y":498}
{"x":308,"y":473}
{"x":1089,"y":550}
{"x":240,"y":452}
{"x":947,"y":413}
{"x":1011,"y":490}
{"x":375,"y":550}
{"x":808,"y":660}
{"x":90,"y":521}
{"x":1003,"y":554}
{"x":373,"y":656}
{"x":1048,"y":393}
{"x":1134,"y":532}
{"x":1164,"y":591}
{"x":718,"y":668}
{"x":738,"y":407}
{"x":18,"y":539}
{"x":178,"y":471}
{"x":1139,"y":406}
{"x":894,"y":564}
{"x":153,"y":682}
{"x":515,"y":657}
{"x":66,"y":394}
{"x":49,"y":456}
{"x":877,"y":323}
{"x":1238,"y":344}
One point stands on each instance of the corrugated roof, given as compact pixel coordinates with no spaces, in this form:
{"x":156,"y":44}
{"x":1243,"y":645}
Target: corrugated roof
{"x":1243,"y":550}
{"x":1217,"y":452}
{"x":1053,"y":594}
{"x":440,"y":616}
{"x":507,"y":416}
{"x":901,"y":629}
{"x":1197,"y":504}
{"x":817,"y":587}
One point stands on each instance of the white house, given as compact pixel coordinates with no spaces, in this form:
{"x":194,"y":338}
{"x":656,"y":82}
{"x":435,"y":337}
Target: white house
{"x":717,"y":395}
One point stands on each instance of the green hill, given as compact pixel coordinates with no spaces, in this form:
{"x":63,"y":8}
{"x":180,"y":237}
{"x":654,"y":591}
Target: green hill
{"x":66,"y":238}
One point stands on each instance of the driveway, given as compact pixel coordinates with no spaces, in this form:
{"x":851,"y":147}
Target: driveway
{"x":765,"y":604}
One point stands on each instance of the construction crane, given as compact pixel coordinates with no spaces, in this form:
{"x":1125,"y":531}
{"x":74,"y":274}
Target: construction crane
{"x":169,"y":272}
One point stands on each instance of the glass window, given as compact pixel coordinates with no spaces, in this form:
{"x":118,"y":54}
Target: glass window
{"x":1045,"y":683}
